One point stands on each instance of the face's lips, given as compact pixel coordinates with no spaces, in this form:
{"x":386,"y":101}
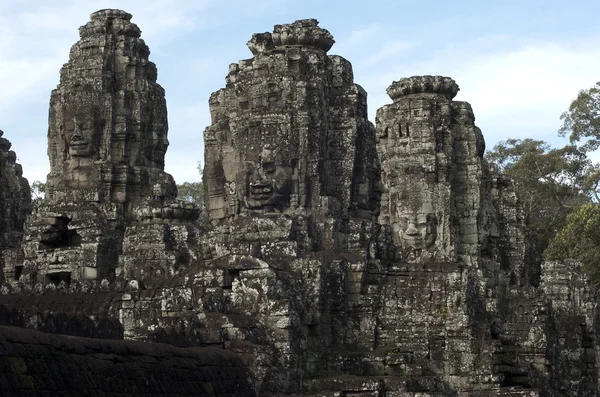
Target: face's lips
{"x":77,"y":140}
{"x":413,"y":239}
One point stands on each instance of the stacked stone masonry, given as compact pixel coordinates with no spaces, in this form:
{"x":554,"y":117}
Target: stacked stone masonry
{"x":339,"y":258}
{"x":38,"y":364}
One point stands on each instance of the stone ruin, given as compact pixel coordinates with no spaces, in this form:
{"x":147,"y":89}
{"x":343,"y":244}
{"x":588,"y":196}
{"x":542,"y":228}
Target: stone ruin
{"x":107,"y":139}
{"x":341,"y":259}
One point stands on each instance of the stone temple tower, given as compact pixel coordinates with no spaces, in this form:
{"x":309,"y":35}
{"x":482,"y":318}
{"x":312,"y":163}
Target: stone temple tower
{"x":432,"y":165}
{"x":107,"y":138}
{"x":291,"y":178}
{"x":107,"y":134}
{"x":290,"y":133}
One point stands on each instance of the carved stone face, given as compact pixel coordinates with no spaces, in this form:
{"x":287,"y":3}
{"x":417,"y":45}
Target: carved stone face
{"x":79,"y":138}
{"x":272,"y":188}
{"x":82,"y":133}
{"x":420,"y":231}
{"x":415,"y":224}
{"x":279,"y":177}
{"x":159,"y":149}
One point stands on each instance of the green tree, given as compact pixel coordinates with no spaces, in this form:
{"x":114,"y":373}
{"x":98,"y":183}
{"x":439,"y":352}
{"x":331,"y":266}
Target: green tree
{"x":579,"y":239}
{"x":573,"y":180}
{"x":582,"y":121}
{"x":38,"y":192}
{"x":550,"y":183}
{"x":192,"y":192}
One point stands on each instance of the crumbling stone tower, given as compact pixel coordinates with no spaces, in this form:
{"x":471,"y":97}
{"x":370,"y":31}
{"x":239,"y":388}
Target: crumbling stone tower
{"x":291,"y":179}
{"x":108,"y":120}
{"x":437,"y":204}
{"x":107,"y":138}
{"x":290,"y":133}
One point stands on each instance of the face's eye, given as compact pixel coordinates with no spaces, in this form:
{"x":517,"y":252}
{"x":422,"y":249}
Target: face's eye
{"x":87,"y":126}
{"x":403,"y":220}
{"x":421,"y":219}
{"x":269,"y":167}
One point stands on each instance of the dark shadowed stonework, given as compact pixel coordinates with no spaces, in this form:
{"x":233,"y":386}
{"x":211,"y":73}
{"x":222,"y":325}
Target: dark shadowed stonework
{"x":38,"y":364}
{"x":15,"y":200}
{"x":341,"y":259}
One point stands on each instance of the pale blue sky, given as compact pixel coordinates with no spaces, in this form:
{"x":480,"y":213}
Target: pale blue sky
{"x":519,"y":63}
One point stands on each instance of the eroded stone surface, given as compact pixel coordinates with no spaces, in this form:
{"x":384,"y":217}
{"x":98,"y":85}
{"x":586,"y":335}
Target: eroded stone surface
{"x":290,"y":131}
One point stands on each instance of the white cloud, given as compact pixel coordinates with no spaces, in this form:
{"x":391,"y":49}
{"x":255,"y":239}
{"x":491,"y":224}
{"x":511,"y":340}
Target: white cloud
{"x":514,"y":92}
{"x":35,"y":166}
{"x":362,"y":34}
{"x":182,"y":164}
{"x":357,"y":38}
{"x":545,"y":77}
{"x":388,"y":50}
{"x":186,"y":149}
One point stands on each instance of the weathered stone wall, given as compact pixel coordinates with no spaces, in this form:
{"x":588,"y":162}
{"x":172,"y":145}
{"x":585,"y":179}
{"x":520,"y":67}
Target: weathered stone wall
{"x":37,"y":364}
{"x":15,"y":197}
{"x":86,"y":315}
{"x":15,"y":202}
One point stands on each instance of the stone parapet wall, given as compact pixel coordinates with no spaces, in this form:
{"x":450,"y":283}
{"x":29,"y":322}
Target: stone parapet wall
{"x":37,"y":364}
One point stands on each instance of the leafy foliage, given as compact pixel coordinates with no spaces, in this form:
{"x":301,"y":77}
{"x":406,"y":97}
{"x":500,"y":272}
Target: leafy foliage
{"x":192,"y":192}
{"x":579,"y":240}
{"x":38,"y":192}
{"x":549,"y":182}
{"x":582,"y":120}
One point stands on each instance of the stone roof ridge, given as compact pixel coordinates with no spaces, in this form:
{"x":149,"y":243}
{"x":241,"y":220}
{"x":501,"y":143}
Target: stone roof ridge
{"x":440,"y":85}
{"x":303,"y":32}
{"x":110,"y":13}
{"x":110,"y":21}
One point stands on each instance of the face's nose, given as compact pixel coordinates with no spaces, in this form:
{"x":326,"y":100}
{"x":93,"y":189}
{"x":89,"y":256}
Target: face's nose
{"x":411,"y":230}
{"x":76,"y":137}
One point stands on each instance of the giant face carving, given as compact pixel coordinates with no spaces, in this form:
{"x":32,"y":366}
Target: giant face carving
{"x":78,"y":137}
{"x":82,"y":132}
{"x":272,"y":189}
{"x":415,"y":227}
{"x":420,"y":232}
